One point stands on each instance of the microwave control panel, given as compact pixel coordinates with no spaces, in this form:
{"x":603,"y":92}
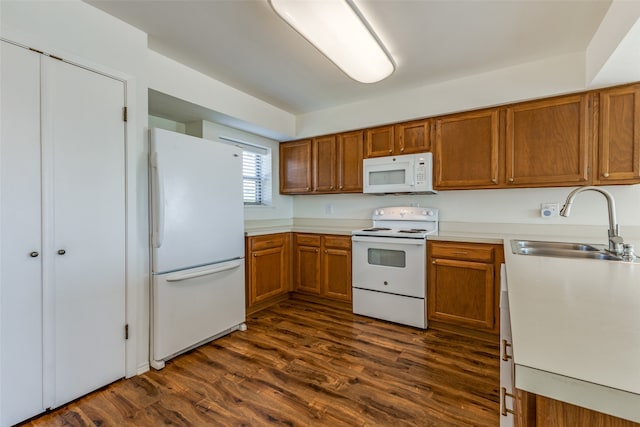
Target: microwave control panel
{"x":421,"y":173}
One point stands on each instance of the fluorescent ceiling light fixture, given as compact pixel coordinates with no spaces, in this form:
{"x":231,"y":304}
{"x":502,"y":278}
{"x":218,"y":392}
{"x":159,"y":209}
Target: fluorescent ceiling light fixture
{"x":337,"y":29}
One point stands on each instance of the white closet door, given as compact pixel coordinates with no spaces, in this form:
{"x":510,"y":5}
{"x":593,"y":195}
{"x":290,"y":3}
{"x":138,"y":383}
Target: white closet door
{"x":20,"y":236}
{"x":84,"y":211}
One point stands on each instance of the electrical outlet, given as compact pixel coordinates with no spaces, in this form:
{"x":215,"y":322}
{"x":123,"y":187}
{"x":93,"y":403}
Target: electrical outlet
{"x":549,"y":210}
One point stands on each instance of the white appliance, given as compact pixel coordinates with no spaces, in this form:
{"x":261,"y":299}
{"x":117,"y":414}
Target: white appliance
{"x":389,"y":274}
{"x":198,"y":242}
{"x":410,"y":173}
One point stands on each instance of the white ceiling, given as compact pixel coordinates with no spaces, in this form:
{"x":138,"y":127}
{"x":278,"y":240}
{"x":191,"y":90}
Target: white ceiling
{"x":245,"y":45}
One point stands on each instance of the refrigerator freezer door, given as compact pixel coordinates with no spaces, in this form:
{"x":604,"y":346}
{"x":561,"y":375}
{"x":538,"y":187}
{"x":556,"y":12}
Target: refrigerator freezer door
{"x":197,"y":201}
{"x":193,"y":306}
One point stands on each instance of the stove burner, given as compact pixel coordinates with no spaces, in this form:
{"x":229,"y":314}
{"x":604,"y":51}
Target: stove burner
{"x":377,"y":229}
{"x":413,"y":230}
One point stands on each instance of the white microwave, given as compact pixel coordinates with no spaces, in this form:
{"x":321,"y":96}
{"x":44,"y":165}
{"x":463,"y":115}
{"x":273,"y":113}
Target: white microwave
{"x":410,"y":173}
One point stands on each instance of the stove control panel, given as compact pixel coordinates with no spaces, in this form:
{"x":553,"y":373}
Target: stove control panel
{"x":408,"y":213}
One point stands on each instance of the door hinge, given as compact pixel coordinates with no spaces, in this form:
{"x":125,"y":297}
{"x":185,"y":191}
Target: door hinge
{"x":126,"y":331}
{"x":124,"y":114}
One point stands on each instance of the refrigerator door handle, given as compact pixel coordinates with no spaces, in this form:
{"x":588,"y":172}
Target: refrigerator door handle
{"x":186,"y":276}
{"x":158,"y":235}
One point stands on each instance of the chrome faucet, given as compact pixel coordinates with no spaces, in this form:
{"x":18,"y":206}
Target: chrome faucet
{"x":615,"y":240}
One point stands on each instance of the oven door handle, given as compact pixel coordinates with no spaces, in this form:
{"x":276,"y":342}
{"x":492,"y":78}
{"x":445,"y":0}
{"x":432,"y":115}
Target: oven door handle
{"x":389,"y":240}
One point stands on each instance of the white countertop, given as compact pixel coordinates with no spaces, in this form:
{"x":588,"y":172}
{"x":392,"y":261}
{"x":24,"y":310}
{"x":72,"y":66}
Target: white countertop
{"x":576,"y":321}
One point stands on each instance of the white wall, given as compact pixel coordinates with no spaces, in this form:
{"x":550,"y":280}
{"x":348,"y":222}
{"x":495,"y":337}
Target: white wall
{"x":513,"y":206}
{"x":175,"y":79}
{"x":561,"y":74}
{"x":166,"y":124}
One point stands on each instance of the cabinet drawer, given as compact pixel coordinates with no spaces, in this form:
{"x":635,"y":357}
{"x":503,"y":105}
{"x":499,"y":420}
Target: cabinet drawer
{"x":463,"y":251}
{"x":338,"y":242}
{"x":267,"y":241}
{"x":308,"y":239}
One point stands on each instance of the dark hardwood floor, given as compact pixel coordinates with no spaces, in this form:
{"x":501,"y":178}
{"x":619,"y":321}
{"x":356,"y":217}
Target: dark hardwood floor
{"x":306,"y":364}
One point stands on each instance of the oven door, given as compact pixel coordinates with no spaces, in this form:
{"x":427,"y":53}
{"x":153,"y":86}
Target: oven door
{"x":389,"y":264}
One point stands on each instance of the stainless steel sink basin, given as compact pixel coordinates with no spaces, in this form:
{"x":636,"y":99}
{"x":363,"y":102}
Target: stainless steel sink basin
{"x":565,"y":246}
{"x":562,"y":250}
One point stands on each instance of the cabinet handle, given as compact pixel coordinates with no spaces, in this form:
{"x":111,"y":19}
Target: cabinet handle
{"x":510,"y":179}
{"x":255,"y":255}
{"x":326,"y":251}
{"x":494,"y":180}
{"x":386,"y":283}
{"x":433,"y":262}
{"x":505,"y":356}
{"x":390,"y":151}
{"x":503,"y":403}
{"x":606,"y":174}
{"x":306,"y":189}
{"x":34,"y":254}
{"x":317,"y":250}
{"x":332,"y":188}
{"x":61,"y":252}
{"x":401,"y":149}
{"x":341,"y":187}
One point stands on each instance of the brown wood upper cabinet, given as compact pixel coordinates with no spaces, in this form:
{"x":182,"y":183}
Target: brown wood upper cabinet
{"x":618,"y":149}
{"x":412,"y":137}
{"x":295,"y":167}
{"x":547,"y":142}
{"x":350,"y":154}
{"x":324,"y":161}
{"x":466,"y":150}
{"x":399,"y":139}
{"x":327,"y":164}
{"x":379,"y":141}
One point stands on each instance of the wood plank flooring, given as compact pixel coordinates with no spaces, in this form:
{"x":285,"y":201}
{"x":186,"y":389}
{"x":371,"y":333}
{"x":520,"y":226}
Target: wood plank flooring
{"x":305,"y":364}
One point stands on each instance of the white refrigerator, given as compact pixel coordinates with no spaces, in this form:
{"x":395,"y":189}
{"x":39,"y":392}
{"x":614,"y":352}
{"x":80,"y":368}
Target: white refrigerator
{"x":197,"y":242}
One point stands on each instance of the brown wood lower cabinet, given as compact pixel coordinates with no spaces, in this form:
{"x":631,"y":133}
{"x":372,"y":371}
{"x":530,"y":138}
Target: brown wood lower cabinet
{"x":547,"y":412}
{"x":322,"y":265}
{"x":463,"y":284}
{"x":268,"y":268}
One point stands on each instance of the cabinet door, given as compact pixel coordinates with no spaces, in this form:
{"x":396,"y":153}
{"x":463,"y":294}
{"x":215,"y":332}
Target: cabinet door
{"x":324,"y":164}
{"x":307,"y":265}
{"x":336,"y":274}
{"x":295,"y":167}
{"x":461,"y":292}
{"x":412,"y":137}
{"x":20,"y":227}
{"x":350,"y":153}
{"x":619,"y":136}
{"x":84,"y":220}
{"x":268,"y":274}
{"x":466,"y":151}
{"x":379,"y":142}
{"x":546,"y":142}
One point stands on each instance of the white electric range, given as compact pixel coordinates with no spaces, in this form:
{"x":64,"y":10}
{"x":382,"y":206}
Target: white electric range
{"x":389,"y":267}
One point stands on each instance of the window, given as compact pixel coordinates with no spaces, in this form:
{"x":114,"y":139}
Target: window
{"x":256,"y":173}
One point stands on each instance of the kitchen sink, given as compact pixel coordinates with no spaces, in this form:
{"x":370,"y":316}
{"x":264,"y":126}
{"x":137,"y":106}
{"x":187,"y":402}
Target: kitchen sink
{"x":562,"y":250}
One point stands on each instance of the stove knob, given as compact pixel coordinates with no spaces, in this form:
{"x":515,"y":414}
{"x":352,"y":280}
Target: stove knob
{"x":424,"y":212}
{"x":430,"y":213}
{"x":381,"y":212}
{"x":403,"y":212}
